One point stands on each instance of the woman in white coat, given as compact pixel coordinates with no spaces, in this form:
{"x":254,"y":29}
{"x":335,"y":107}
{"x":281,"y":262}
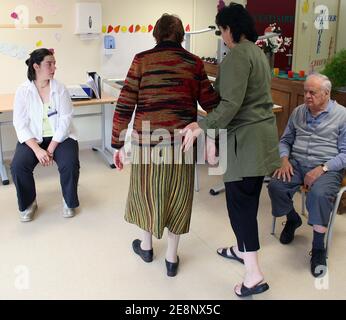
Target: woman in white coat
{"x":42,"y":119}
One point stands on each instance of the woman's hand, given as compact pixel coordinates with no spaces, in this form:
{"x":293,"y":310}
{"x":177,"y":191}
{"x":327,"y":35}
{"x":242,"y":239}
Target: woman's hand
{"x":119,"y":159}
{"x":43,"y":157}
{"x":51,"y":148}
{"x":190,"y":132}
{"x":210,"y":152}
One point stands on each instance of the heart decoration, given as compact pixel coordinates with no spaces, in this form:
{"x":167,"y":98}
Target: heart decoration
{"x":14,"y":15}
{"x":117,"y":29}
{"x":138,"y":27}
{"x":39,"y":19}
{"x":150,"y":28}
{"x":131,"y":29}
{"x":110,"y":29}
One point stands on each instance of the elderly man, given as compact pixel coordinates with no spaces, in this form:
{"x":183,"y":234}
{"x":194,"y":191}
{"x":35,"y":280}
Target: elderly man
{"x":313,"y":154}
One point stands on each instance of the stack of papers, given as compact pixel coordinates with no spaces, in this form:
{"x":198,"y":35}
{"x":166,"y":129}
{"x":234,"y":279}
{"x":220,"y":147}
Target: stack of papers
{"x":77,"y":92}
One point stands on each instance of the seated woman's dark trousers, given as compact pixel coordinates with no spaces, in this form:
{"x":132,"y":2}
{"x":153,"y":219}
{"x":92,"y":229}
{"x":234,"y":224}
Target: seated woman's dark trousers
{"x":66,"y":156}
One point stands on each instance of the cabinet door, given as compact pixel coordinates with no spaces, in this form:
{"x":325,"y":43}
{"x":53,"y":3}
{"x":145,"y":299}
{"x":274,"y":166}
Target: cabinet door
{"x":282,"y":98}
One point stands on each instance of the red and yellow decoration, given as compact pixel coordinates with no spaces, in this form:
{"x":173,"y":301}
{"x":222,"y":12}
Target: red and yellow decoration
{"x":132,"y":28}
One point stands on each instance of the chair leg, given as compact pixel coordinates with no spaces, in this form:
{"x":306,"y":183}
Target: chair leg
{"x":196,"y":179}
{"x":273,"y":226}
{"x":303,"y":204}
{"x":332,"y":219}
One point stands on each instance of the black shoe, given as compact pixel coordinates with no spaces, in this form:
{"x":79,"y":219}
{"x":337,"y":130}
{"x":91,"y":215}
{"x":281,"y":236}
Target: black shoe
{"x":257,"y":289}
{"x":287,"y":234}
{"x":172,"y":268}
{"x":318,"y":262}
{"x":146,"y":255}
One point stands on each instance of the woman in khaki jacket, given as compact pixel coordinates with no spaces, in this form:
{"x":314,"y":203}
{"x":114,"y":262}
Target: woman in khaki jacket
{"x":245,"y":111}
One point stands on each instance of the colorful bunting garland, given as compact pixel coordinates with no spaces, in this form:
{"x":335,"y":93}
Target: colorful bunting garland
{"x":132,"y":28}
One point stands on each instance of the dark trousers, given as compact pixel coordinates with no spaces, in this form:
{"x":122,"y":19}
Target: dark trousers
{"x":319,"y":200}
{"x":25,"y":161}
{"x":242,"y":199}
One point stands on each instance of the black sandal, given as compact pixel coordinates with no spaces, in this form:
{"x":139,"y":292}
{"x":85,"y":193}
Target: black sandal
{"x":233,"y":256}
{"x":258,"y":288}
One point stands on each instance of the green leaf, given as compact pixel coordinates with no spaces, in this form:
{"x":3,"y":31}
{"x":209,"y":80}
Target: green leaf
{"x":335,"y":70}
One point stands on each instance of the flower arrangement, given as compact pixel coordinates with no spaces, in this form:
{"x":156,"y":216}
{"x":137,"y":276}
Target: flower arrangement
{"x":276,"y":43}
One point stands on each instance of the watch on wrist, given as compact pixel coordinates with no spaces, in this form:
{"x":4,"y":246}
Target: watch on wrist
{"x":324,"y":168}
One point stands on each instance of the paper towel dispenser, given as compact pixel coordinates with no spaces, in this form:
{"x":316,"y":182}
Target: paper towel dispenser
{"x":88,"y":18}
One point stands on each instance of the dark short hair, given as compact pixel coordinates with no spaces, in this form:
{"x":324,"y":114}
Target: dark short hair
{"x":37,"y":56}
{"x":238,"y":19}
{"x":169,"y":27}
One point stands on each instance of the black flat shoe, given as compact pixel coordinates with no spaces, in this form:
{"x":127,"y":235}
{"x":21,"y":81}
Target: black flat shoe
{"x":318,"y":262}
{"x":146,"y":255}
{"x":257,"y":289}
{"x":172,"y":268}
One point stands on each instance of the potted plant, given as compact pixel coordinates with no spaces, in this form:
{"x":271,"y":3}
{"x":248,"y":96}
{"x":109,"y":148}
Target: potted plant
{"x":335,"y":70}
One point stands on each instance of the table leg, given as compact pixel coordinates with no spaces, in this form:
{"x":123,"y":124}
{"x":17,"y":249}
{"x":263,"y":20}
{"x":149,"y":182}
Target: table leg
{"x":196,"y":179}
{"x":3,"y":173}
{"x":105,"y":152}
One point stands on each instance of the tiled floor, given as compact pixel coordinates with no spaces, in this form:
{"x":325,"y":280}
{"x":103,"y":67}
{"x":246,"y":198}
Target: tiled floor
{"x":90,"y":255}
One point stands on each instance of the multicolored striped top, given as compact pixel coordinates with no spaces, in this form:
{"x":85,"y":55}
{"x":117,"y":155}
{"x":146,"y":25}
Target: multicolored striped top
{"x":165,"y":83}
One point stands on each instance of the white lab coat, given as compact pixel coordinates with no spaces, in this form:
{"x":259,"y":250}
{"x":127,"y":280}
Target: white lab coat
{"x":28,"y":112}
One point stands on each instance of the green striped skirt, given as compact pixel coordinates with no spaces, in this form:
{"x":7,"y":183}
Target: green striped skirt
{"x":161,"y":190}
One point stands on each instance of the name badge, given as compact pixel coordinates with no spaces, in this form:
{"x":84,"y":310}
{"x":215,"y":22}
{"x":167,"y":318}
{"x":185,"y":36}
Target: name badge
{"x":52,"y":112}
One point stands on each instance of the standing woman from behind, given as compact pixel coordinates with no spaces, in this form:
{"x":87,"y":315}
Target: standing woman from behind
{"x":42,"y":118}
{"x":245,"y":111}
{"x":165,"y":83}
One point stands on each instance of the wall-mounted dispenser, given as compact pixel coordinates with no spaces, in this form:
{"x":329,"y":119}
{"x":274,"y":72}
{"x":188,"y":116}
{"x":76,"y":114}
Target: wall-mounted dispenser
{"x":109,"y":44}
{"x":88,"y":20}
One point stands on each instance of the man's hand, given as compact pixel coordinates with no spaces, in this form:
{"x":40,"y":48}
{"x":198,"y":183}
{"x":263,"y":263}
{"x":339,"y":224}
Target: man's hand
{"x":119,"y":159}
{"x":190,"y":132}
{"x":285,"y":172}
{"x":312,"y":176}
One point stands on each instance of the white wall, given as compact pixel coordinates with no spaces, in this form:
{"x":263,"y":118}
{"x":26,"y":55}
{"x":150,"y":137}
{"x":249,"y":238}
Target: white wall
{"x":128,"y":44}
{"x":205,"y":12}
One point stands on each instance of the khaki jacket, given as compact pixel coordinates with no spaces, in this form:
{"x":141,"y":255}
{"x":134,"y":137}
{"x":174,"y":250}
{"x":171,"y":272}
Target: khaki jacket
{"x":245,"y":111}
